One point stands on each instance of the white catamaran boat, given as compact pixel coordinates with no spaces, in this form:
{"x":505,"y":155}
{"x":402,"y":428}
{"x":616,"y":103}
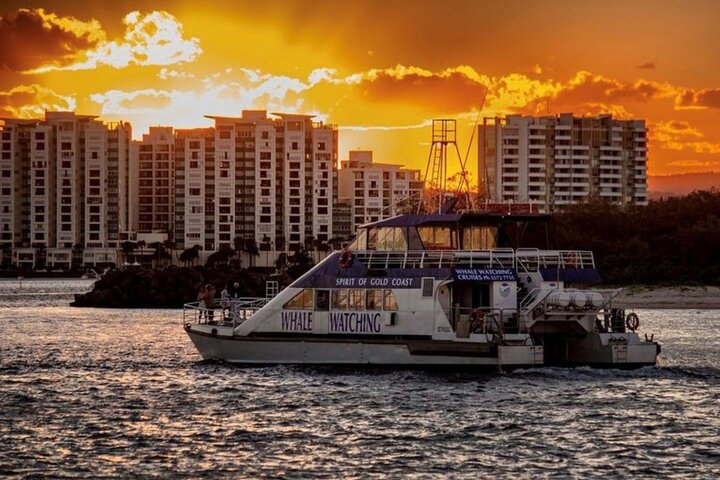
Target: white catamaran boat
{"x":432,"y":290}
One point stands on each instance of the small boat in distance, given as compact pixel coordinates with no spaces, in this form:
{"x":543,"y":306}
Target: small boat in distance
{"x":432,"y":290}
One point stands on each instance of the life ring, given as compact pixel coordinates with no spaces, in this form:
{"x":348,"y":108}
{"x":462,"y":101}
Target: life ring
{"x":632,"y":321}
{"x":346,"y":259}
{"x":477,"y":320}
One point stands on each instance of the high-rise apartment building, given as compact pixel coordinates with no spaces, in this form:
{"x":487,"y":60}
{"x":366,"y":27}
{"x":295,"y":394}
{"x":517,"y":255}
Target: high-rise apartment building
{"x":253,"y":179}
{"x":553,"y":161}
{"x":376,"y":190}
{"x":195,"y":188}
{"x":69,"y":200}
{"x":273,"y":179}
{"x":156,"y":181}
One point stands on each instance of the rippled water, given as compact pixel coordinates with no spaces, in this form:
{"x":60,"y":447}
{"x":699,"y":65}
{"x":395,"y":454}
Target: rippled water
{"x":122,"y":393}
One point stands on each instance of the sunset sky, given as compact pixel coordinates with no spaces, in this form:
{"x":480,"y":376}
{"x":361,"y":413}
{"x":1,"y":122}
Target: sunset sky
{"x":381,"y":70}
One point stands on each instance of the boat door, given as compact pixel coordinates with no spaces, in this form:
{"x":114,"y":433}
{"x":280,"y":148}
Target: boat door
{"x":321,"y":312}
{"x":480,"y":295}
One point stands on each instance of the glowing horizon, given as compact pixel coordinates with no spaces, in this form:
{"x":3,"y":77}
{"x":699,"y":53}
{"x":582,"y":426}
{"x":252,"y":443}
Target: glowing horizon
{"x":381,"y":77}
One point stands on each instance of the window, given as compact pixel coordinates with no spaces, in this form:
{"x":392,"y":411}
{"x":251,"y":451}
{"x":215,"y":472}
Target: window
{"x":339,"y":299}
{"x":301,"y":301}
{"x":356,"y":300}
{"x":427,"y":287}
{"x":389,"y":302}
{"x":322,"y":300}
{"x":193,"y":164}
{"x":321,"y":146}
{"x":294,"y":146}
{"x":373,"y":299}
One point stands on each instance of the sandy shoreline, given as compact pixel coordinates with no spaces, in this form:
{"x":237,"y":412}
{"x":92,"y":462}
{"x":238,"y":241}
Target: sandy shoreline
{"x":669,"y":297}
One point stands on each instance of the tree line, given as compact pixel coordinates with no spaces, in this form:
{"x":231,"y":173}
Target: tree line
{"x":674,"y":240}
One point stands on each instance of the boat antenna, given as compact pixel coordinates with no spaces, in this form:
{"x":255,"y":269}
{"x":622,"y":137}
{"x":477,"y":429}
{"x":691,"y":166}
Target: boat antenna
{"x":464,"y":182}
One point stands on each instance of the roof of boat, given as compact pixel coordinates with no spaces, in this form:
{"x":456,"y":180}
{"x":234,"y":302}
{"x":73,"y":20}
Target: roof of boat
{"x":479,"y":218}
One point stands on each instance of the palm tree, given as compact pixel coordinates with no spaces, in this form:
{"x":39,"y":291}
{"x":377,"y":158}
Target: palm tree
{"x":169,"y":247}
{"x":251,"y":247}
{"x":280,"y":243}
{"x":190,"y":255}
{"x":127,"y":248}
{"x":266,"y":245}
{"x":141,"y":245}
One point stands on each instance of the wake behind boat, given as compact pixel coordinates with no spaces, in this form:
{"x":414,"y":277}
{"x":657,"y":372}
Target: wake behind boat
{"x":432,"y":290}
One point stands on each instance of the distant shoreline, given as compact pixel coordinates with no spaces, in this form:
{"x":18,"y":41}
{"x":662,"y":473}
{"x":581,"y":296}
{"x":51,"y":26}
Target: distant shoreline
{"x":679,"y":297}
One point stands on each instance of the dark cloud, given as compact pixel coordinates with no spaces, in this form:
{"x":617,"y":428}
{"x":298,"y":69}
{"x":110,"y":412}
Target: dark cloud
{"x":646,"y":66}
{"x":706,"y":98}
{"x":446,"y":92}
{"x":31,"y":38}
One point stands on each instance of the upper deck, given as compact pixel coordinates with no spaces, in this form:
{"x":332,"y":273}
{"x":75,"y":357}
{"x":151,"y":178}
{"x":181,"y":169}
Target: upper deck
{"x":435,"y":232}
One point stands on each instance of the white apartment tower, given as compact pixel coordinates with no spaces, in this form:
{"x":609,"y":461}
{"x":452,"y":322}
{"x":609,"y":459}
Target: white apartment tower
{"x":376,"y":190}
{"x":559,"y":160}
{"x":273,"y":180}
{"x":156,"y":181}
{"x":195,"y":188}
{"x":15,"y":164}
{"x":69,"y":199}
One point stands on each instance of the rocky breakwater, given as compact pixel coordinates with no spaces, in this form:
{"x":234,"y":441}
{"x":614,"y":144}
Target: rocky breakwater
{"x":168,"y":287}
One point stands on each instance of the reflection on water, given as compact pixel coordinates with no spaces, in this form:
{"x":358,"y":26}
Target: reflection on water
{"x":117,"y":393}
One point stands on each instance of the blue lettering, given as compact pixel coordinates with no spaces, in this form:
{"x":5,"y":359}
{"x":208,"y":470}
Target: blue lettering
{"x":355,"y":322}
{"x":296,"y":321}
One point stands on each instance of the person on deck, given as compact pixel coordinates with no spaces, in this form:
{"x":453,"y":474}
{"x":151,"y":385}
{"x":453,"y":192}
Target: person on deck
{"x":225,"y":300}
{"x":201,"y":302}
{"x":210,"y":301}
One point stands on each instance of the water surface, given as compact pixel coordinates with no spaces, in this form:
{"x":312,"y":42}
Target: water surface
{"x":100,"y":393}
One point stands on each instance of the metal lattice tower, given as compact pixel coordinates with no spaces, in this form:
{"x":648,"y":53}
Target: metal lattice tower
{"x":444,"y":138}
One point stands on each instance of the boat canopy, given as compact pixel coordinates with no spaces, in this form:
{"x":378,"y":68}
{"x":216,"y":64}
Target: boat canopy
{"x":468,"y":231}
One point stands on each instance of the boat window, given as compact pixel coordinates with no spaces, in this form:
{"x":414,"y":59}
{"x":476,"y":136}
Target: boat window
{"x":427,"y":287}
{"x":391,"y":238}
{"x":437,"y":238}
{"x":389,"y":302}
{"x":478,"y":238}
{"x":340,"y":299}
{"x":356,"y":300}
{"x":372,"y":234}
{"x":301,"y":301}
{"x":360,"y":242}
{"x":373,"y":299}
{"x":322,"y":300}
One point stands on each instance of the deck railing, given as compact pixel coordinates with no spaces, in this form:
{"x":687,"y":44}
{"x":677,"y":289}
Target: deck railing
{"x":522,"y":259}
{"x":232,"y":311}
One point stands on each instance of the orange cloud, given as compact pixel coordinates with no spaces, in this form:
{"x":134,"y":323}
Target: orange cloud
{"x":706,"y":98}
{"x":680,"y":135}
{"x":32,"y":37}
{"x":31,"y":101}
{"x":152,"y":39}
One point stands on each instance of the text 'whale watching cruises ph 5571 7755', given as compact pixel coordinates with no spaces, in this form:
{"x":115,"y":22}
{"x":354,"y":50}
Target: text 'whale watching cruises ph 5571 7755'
{"x":433,"y":290}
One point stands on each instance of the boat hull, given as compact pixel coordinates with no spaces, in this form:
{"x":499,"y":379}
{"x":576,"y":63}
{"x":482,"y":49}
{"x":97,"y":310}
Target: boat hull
{"x":381,"y":352}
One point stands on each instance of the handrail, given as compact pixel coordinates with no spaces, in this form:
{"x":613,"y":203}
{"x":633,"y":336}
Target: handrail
{"x":526,"y":260}
{"x":235,"y":309}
